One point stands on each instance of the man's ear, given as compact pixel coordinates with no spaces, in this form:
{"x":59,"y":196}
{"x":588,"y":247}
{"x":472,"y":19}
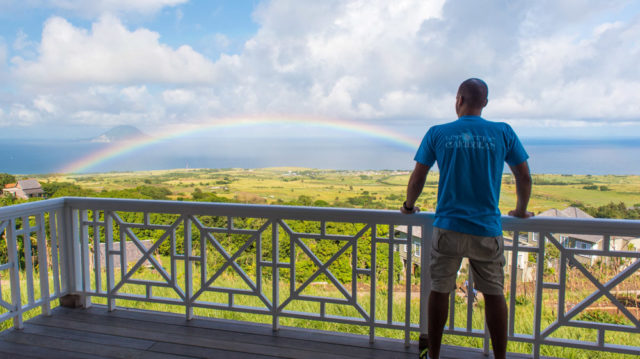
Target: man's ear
{"x":486,"y":101}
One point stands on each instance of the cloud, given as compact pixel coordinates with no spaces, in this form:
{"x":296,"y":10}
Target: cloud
{"x":110,"y":53}
{"x":22,"y":41}
{"x":44,"y":104}
{"x":377,"y":59}
{"x":22,"y":116}
{"x":336,"y":58}
{"x":550,"y":63}
{"x":179,"y":97}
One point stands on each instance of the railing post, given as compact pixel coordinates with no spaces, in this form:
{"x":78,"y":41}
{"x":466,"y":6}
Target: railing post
{"x":54,"y":233}
{"x":539,"y":296}
{"x":108,"y":260}
{"x":485,"y":340}
{"x":70,"y":258}
{"x":425,"y":281}
{"x":83,"y":258}
{"x":16,"y":298}
{"x":408,"y":276}
{"x":373,"y":278}
{"x":43,"y":268}
{"x":275,"y":276}
{"x":187,"y":268}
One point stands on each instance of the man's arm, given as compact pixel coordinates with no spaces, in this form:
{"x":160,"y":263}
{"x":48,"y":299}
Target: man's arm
{"x":523,"y":190}
{"x":414,"y":188}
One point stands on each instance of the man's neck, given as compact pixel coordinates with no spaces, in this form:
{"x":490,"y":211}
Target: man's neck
{"x":469,"y":112}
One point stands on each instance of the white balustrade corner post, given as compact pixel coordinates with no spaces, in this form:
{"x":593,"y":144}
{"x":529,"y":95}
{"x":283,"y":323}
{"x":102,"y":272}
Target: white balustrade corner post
{"x":70,"y":258}
{"x":63,"y":248}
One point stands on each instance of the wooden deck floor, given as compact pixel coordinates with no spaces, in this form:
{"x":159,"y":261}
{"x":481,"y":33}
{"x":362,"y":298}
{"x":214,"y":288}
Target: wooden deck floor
{"x":96,"y":333}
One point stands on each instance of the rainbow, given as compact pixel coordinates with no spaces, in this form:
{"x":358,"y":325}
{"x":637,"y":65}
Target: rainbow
{"x":121,"y":148}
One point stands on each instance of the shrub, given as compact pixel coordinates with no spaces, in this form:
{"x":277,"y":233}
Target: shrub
{"x":600,"y":316}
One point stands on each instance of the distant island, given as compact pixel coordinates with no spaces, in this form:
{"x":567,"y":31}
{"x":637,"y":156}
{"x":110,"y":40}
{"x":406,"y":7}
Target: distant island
{"x":119,"y":133}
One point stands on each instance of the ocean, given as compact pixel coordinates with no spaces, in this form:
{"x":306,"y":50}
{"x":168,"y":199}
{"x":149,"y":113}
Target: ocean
{"x":616,"y":157}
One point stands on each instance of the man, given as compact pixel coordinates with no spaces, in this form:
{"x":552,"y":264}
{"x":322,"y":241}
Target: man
{"x":470,"y":154}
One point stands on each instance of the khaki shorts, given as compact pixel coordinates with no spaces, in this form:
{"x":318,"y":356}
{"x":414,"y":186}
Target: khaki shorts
{"x":486,"y":259}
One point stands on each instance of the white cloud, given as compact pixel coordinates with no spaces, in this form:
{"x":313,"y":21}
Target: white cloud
{"x":22,"y":41}
{"x":135,"y":93}
{"x":22,"y":116}
{"x":43,"y":103}
{"x":221,"y":40}
{"x":547,"y":63}
{"x":178,"y":97}
{"x":110,"y":53}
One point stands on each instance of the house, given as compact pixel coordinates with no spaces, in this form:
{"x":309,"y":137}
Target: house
{"x":586,"y":241}
{"x":133,"y":253}
{"x":24,"y":189}
{"x":416,"y":241}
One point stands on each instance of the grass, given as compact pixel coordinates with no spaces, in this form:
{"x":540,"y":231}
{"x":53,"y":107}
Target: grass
{"x":271,"y":185}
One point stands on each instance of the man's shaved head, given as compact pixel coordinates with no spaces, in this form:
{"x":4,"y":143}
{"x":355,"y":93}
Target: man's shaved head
{"x":474,"y":93}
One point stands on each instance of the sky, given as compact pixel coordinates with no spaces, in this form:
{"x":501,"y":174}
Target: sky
{"x":555,"y":68}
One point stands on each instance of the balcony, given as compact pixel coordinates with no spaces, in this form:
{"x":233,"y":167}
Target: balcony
{"x":230,"y":280}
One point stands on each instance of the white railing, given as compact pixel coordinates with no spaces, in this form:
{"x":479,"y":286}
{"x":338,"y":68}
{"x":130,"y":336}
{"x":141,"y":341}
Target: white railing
{"x":252,"y":259}
{"x":19,"y":226}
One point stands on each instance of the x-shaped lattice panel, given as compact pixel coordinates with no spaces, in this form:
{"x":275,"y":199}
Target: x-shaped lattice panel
{"x":230,"y":262}
{"x":602,"y":290}
{"x":323,"y":268}
{"x":147,"y":254}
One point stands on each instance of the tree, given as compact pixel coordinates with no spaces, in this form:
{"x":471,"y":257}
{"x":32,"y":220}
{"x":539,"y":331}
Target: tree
{"x":6,"y":178}
{"x":613,"y":210}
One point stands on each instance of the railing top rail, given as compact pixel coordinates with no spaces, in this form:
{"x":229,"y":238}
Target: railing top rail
{"x":252,"y":210}
{"x":29,"y":208}
{"x":598,"y":226}
{"x":537,"y":224}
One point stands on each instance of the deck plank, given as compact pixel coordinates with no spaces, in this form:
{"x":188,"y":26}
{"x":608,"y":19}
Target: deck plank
{"x":91,"y":349}
{"x":127,"y":333}
{"x":185,"y":333}
{"x":88,"y":337}
{"x":253,"y":338}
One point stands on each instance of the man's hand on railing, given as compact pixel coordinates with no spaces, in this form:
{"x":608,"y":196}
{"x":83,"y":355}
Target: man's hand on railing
{"x":521,"y":214}
{"x":409,"y":210}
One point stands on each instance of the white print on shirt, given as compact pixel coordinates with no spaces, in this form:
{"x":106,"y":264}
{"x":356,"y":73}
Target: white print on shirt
{"x":467,"y":140}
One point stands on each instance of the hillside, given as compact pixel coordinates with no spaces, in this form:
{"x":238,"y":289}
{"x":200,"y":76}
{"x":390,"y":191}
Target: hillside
{"x":360,"y":189}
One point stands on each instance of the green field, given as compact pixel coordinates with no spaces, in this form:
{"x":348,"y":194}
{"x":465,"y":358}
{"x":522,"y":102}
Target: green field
{"x":371,"y":189}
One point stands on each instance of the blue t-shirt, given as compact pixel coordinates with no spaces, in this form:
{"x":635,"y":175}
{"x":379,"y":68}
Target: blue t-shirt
{"x":470,"y":153}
